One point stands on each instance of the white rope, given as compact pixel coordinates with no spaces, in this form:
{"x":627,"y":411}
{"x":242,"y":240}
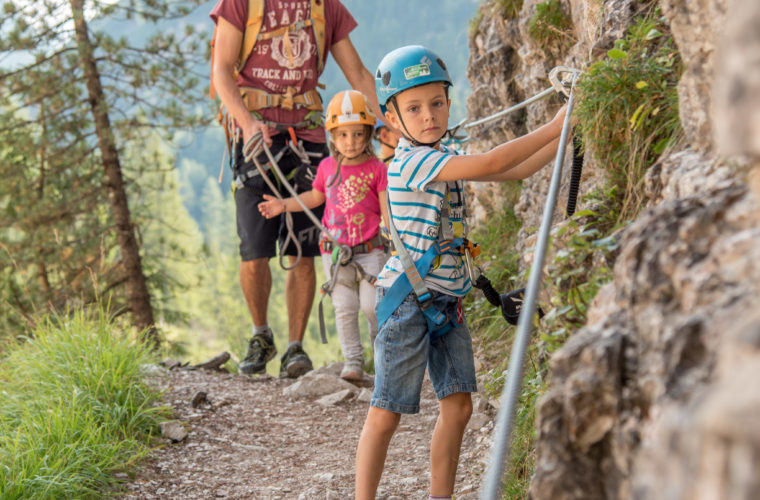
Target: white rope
{"x":251,"y":151}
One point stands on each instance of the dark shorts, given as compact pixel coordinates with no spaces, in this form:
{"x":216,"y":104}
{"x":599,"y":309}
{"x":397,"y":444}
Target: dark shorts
{"x":258,"y":234}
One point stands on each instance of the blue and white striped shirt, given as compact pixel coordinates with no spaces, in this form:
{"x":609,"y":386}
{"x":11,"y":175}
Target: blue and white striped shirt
{"x":416,"y":212}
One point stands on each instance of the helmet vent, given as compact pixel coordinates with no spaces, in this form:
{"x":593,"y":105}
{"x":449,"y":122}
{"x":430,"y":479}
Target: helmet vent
{"x":386,"y":78}
{"x":438,"y":60}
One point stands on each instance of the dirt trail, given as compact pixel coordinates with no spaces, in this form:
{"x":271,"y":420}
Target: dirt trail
{"x":249,"y":441}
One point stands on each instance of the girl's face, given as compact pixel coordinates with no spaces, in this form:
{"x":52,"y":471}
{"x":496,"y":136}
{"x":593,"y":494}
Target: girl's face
{"x":425,"y":112}
{"x":350,"y":141}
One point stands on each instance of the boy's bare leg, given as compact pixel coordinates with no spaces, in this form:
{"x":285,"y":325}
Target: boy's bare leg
{"x":256,"y":282}
{"x":300,"y":285}
{"x":372,"y":450}
{"x":455,"y":411}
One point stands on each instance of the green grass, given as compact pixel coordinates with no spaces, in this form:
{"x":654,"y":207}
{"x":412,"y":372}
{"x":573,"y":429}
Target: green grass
{"x":75,"y":410}
{"x":509,"y":8}
{"x":551,"y":25}
{"x":628,"y":107}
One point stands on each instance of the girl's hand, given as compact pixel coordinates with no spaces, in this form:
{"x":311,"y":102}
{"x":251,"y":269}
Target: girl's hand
{"x":272,"y":207}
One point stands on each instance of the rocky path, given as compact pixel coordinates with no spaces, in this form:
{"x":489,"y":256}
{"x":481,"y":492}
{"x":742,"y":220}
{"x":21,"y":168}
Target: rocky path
{"x":266,"y":438}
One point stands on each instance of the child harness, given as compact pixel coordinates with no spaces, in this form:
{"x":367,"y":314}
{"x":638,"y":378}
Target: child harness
{"x":412,"y":280}
{"x":342,"y":256}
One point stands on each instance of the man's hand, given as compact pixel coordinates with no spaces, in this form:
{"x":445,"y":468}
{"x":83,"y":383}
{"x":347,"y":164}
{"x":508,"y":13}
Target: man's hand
{"x":252,"y":127}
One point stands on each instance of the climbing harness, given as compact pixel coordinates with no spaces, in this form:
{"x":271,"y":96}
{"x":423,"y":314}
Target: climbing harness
{"x":251,"y":151}
{"x":257,"y":99}
{"x":412,"y":280}
{"x":504,"y":422}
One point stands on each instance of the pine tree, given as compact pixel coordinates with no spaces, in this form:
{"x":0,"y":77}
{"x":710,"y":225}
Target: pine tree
{"x":74,"y":99}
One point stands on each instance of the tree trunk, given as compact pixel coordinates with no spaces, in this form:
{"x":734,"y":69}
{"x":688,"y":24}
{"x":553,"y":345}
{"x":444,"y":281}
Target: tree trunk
{"x":137,"y":292}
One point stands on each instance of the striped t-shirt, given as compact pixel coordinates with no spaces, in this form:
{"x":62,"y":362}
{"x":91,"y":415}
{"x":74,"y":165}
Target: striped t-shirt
{"x":416,"y":213}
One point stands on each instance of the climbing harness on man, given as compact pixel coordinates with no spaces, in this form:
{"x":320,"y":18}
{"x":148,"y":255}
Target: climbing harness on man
{"x":257,"y":99}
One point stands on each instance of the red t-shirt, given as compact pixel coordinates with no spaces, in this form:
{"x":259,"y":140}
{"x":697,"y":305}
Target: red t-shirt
{"x":268,"y":67}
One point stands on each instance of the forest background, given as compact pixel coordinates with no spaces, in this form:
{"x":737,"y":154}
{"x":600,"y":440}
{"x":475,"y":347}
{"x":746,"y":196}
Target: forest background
{"x":58,"y":249}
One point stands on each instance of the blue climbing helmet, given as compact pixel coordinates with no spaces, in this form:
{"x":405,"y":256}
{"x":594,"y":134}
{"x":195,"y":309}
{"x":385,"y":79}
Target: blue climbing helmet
{"x":408,"y":67}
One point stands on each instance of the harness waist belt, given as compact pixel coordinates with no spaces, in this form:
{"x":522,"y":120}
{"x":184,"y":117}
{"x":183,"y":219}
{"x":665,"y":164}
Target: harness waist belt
{"x":328,"y":246}
{"x":256,"y":99}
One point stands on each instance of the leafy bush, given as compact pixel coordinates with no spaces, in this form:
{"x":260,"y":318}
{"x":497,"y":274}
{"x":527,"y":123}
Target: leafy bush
{"x":628,"y":106}
{"x":75,"y":410}
{"x":509,"y":8}
{"x":551,"y":24}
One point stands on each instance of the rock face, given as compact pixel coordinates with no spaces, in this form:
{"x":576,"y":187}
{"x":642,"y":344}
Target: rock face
{"x":655,"y":397}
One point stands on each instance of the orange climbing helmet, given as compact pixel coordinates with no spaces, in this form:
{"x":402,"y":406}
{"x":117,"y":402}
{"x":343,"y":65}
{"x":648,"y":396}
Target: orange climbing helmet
{"x":348,"y":107}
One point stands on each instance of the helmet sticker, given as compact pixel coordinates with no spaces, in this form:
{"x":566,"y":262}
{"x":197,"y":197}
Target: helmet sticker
{"x":416,"y":71}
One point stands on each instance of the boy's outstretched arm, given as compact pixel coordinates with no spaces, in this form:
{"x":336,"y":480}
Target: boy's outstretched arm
{"x":274,"y":206}
{"x":525,"y":169}
{"x":505,"y":156}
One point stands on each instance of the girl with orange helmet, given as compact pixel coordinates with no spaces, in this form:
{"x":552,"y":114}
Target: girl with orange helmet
{"x":352,"y":184}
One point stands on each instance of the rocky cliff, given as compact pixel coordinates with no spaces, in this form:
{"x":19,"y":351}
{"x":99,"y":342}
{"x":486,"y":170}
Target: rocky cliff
{"x":654,"y":397}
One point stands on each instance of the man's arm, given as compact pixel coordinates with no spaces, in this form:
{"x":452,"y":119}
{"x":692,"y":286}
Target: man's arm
{"x":357,"y":75}
{"x":226,"y":52}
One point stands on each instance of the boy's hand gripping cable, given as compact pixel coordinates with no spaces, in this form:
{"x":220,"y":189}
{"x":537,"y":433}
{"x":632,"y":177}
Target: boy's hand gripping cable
{"x":560,"y":78}
{"x":493,"y":480}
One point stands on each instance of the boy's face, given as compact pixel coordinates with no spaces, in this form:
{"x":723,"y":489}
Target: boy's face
{"x":424,"y":110}
{"x":350,"y":140}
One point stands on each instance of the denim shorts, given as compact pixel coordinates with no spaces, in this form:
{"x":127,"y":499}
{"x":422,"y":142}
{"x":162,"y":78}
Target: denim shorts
{"x":403,"y":350}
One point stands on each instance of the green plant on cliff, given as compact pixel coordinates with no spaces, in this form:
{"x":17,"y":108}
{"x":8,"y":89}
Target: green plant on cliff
{"x":550,"y":25}
{"x":509,"y":8}
{"x":586,"y":247}
{"x":628,"y":106}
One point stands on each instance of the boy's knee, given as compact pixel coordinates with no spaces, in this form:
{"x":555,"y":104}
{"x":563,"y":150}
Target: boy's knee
{"x":457,"y":408}
{"x":382,"y":421}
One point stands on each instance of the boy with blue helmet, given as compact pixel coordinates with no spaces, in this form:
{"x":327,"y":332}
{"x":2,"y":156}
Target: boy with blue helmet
{"x":427,"y":330}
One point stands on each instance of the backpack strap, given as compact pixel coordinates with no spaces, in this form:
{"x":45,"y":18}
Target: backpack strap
{"x":252,"y":30}
{"x":319,"y":25}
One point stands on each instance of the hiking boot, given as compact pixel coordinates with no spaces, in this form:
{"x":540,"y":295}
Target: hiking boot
{"x":295,"y":362}
{"x":260,"y":350}
{"x":353,"y":370}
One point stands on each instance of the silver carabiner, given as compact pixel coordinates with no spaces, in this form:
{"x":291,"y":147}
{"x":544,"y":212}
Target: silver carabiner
{"x":562,"y":77}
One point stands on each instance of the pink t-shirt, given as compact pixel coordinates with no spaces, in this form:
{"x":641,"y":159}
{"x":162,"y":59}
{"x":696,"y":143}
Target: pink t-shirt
{"x":352,"y":207}
{"x":269,"y":69}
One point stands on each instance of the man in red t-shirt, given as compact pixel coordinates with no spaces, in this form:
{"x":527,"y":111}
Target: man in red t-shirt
{"x":277,"y":67}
